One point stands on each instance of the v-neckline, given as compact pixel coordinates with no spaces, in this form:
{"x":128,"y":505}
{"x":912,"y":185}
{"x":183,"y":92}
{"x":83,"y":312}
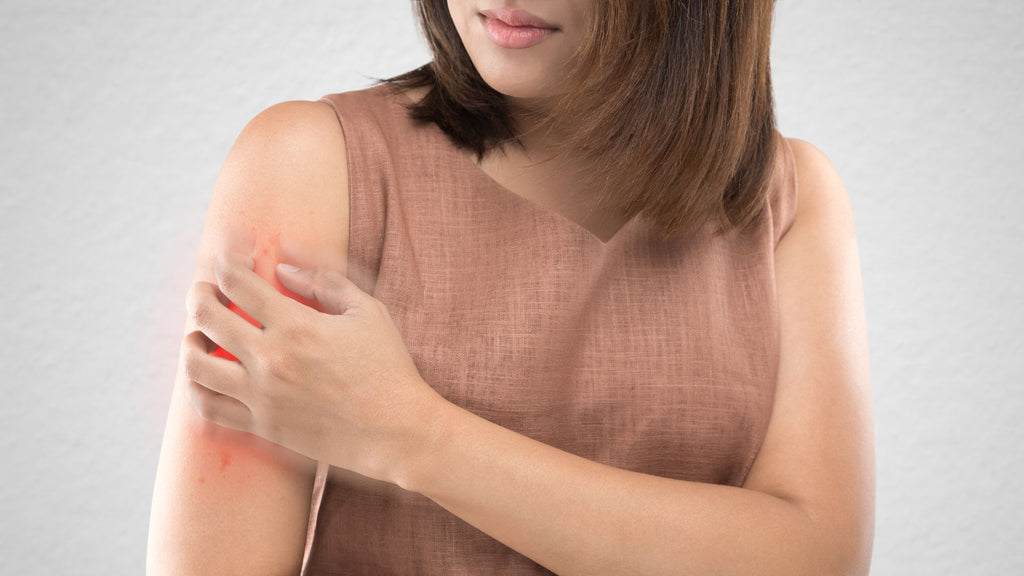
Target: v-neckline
{"x":581,"y":231}
{"x":584,"y":233}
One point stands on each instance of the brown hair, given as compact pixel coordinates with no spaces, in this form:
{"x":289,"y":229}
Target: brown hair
{"x":681,"y":124}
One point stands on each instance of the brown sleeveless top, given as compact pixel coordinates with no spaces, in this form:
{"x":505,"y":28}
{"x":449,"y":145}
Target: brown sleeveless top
{"x":650,"y":355}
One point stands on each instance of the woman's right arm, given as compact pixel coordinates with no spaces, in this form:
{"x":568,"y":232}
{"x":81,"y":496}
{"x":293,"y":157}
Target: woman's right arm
{"x":226,"y":502}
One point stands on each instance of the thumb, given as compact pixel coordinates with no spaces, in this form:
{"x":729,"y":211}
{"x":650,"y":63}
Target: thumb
{"x":332,"y":290}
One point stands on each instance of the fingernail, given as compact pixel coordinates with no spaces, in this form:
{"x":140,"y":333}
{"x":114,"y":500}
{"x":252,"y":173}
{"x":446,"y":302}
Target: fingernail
{"x":288,"y":267}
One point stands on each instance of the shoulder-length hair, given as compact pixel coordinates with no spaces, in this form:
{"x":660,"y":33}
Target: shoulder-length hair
{"x":671,"y":101}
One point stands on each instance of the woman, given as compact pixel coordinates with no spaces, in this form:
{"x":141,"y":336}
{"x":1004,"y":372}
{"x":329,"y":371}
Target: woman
{"x":608,"y":333}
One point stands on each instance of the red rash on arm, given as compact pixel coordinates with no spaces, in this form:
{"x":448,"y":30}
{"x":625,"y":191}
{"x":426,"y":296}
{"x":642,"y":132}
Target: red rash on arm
{"x":252,"y":517}
{"x":264,"y":255}
{"x":224,"y":353}
{"x":265,"y":260}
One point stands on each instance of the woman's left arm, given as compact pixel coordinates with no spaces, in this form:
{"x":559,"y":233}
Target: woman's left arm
{"x":807,"y":507}
{"x":808,"y":504}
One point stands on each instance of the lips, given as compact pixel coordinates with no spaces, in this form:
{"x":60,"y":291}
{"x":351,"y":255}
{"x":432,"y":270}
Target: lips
{"x":517,"y":18}
{"x":515,"y":28}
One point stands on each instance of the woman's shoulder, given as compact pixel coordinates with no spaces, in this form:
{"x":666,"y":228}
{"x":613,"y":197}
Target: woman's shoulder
{"x":802,"y":171}
{"x":819,"y":198}
{"x":291,"y":124}
{"x":316,"y":129}
{"x":317,"y":140}
{"x":817,"y":181}
{"x":285,"y":178}
{"x":809,"y":161}
{"x":290,"y":142}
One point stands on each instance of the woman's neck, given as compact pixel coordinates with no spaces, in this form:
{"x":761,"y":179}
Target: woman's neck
{"x":534,"y":171}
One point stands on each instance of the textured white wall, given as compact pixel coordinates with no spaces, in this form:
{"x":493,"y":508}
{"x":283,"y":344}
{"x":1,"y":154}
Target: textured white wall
{"x":116,"y":116}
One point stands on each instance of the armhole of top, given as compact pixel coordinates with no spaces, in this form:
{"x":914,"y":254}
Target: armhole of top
{"x":784,"y":193}
{"x":364,"y":158}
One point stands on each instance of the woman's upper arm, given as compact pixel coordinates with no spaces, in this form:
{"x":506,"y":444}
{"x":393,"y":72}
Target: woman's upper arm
{"x":226,"y":502}
{"x":819,"y":450}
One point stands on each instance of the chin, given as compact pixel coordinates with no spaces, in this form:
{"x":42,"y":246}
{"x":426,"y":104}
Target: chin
{"x":519,"y":90}
{"x":520,"y":84}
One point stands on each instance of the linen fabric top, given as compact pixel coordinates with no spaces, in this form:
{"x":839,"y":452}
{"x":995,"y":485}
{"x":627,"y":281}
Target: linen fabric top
{"x":658,"y":356}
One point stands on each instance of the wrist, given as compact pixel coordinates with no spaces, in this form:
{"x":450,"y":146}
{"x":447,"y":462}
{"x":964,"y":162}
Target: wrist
{"x":428,"y":432}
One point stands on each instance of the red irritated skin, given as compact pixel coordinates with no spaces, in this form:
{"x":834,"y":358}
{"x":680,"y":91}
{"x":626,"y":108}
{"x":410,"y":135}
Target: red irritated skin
{"x":265,"y":256}
{"x":229,"y":502}
{"x":222,"y":353}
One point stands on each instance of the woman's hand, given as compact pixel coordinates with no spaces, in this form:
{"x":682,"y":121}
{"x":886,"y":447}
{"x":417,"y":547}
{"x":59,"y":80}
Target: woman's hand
{"x":336,"y":385}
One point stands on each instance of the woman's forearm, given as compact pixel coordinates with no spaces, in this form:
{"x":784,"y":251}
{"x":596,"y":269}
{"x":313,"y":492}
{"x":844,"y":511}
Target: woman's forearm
{"x":576,"y":516}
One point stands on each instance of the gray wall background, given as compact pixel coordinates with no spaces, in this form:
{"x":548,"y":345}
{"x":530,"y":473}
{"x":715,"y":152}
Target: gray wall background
{"x":116,"y":116}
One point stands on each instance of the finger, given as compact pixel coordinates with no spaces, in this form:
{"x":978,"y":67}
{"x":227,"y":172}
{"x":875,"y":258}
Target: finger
{"x":209,"y":313}
{"x":330,"y":288}
{"x":243,"y":286}
{"x":210,"y":371}
{"x":218,"y":408}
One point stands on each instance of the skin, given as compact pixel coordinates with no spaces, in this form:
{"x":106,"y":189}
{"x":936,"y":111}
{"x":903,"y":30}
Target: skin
{"x":806,"y":508}
{"x":528,"y":77}
{"x":247,"y":513}
{"x":532,"y":79}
